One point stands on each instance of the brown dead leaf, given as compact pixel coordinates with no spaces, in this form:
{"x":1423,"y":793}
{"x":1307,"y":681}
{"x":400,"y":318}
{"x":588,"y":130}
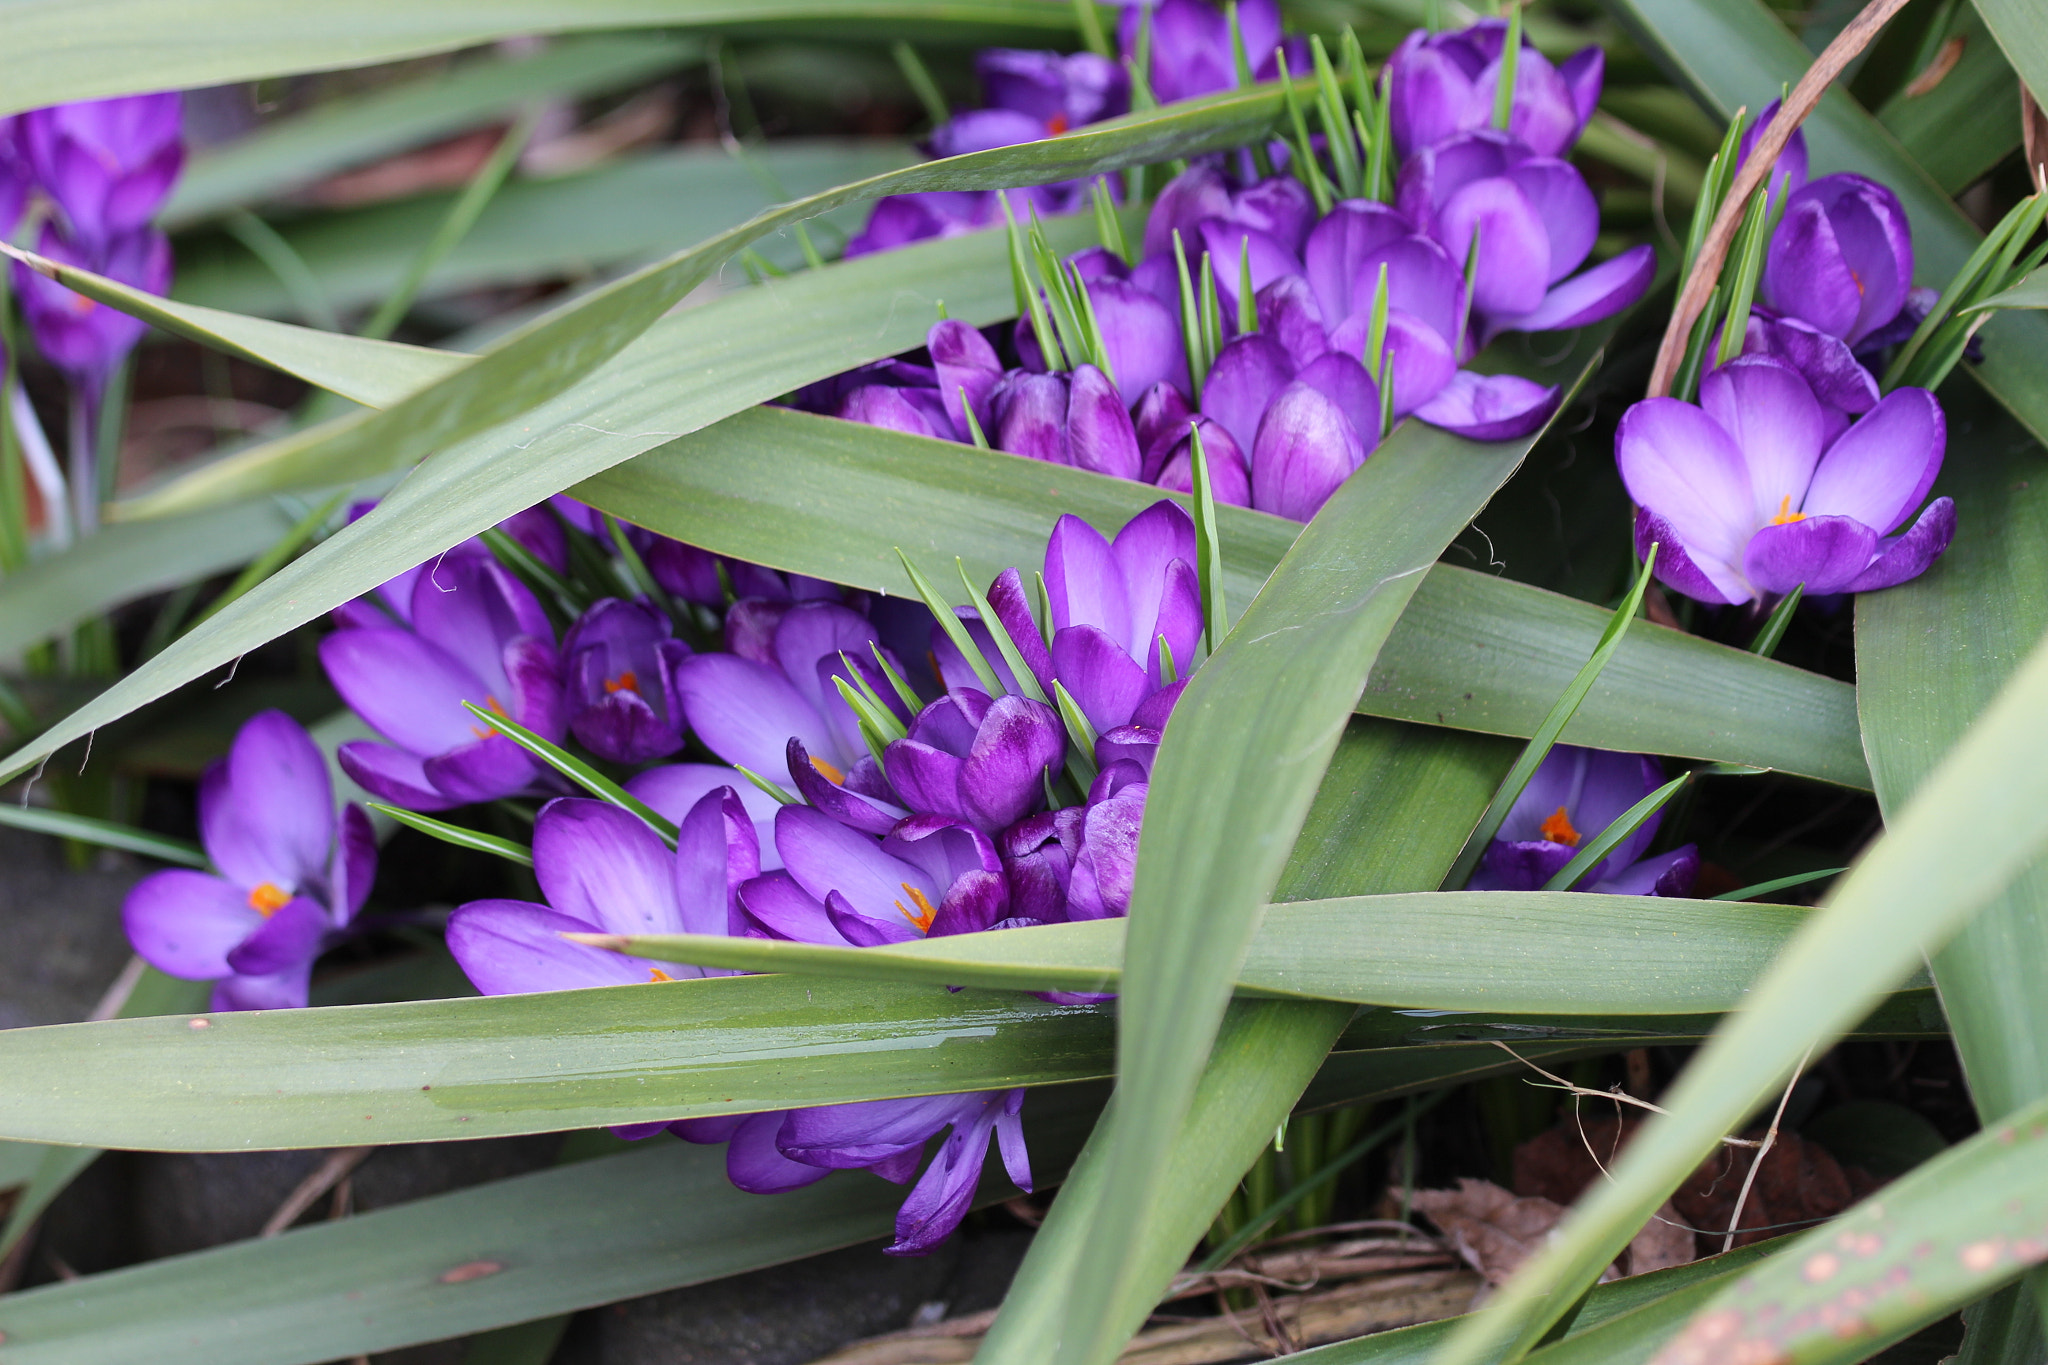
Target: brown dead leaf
{"x":1665,"y":1241}
{"x":1491,"y":1228}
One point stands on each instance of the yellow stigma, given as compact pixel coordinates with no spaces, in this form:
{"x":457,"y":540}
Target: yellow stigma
{"x":629,"y":681}
{"x":925,"y":913}
{"x":1558,"y":829}
{"x":657,"y":974}
{"x":1786,"y":516}
{"x":828,"y":771}
{"x":484,"y":732}
{"x":268,"y":898}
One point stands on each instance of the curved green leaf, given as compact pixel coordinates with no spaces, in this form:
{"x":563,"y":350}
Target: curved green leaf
{"x":1945,"y":129}
{"x":2018,"y":30}
{"x":1944,"y":1235}
{"x":286,"y":153}
{"x":1471,"y":651}
{"x":61,"y":50}
{"x":374,"y":373}
{"x":1538,"y":952}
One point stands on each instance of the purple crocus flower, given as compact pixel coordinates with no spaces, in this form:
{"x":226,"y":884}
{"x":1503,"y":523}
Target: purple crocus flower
{"x":1841,"y":259}
{"x":604,"y":871}
{"x":1748,"y":498}
{"x":477,"y":635}
{"x":289,"y":876}
{"x":1442,"y":84}
{"x":620,"y":662}
{"x":1120,"y":609}
{"x":107,"y":164}
{"x":1790,"y":168}
{"x":1531,"y":221}
{"x":1191,"y":49}
{"x":984,"y":763}
{"x":747,"y":708}
{"x":16,"y":178}
{"x":84,"y":338}
{"x":1573,"y":795}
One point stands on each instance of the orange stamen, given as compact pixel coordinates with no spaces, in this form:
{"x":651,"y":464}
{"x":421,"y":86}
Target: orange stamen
{"x":1786,"y":516}
{"x":1558,"y":829}
{"x":268,"y":898}
{"x":490,"y":704}
{"x":1056,"y":125}
{"x":828,"y":771}
{"x":629,"y":681}
{"x":657,"y":974}
{"x":925,"y":911}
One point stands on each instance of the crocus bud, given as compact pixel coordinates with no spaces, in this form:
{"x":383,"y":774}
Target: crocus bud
{"x":1305,"y":448}
{"x":971,"y":759}
{"x":620,"y":661}
{"x":1442,"y":84}
{"x":108,"y":164}
{"x":1842,"y":257}
{"x":81,"y":337}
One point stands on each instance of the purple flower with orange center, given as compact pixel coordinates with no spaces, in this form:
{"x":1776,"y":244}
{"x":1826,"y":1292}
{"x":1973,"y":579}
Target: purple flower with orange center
{"x":289,"y":876}
{"x":620,"y":662}
{"x":1750,"y":496}
{"x":1573,"y":795}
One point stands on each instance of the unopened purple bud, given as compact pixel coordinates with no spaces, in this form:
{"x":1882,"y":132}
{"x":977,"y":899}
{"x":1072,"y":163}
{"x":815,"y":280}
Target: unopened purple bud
{"x":1842,"y":257}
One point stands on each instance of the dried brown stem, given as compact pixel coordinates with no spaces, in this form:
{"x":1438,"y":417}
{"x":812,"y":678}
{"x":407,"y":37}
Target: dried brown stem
{"x":1706,"y":269}
{"x":325,"y":1177}
{"x":1763,"y":1150}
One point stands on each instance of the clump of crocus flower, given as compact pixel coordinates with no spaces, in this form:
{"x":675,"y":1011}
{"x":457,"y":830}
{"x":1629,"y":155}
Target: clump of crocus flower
{"x":1572,"y":796}
{"x":288,"y":875}
{"x":1358,"y":317}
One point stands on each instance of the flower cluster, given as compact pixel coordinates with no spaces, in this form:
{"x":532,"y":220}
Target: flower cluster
{"x":105,"y":167}
{"x":1359,"y":316}
{"x":970,"y":810}
{"x":1793,"y":470}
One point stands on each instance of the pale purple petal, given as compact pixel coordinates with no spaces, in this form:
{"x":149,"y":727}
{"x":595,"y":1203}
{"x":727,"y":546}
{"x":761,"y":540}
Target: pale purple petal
{"x":1824,"y":554}
{"x":1083,"y":583}
{"x":1247,"y":373}
{"x":1494,"y":407}
{"x":483,"y":770}
{"x":509,"y":947}
{"x":1770,"y":413}
{"x":1675,"y":567}
{"x":1353,"y":230}
{"x":1289,"y":314}
{"x":825,"y":856}
{"x":1305,"y":448}
{"x":1100,"y":437}
{"x":1687,"y":470}
{"x":746,"y":712}
{"x":1566,"y":208}
{"x":782,"y":909}
{"x":1104,"y":680}
{"x":1141,"y":336}
{"x":186,"y":923}
{"x":288,"y":939}
{"x":965,"y":362}
{"x":1909,"y":555}
{"x":754,"y":1164}
{"x":1513,"y":247}
{"x":1881,"y":468}
{"x":269,"y":817}
{"x":407,"y":689}
{"x":1591,"y":295}
{"x":603,"y":865}
{"x":391,"y":775}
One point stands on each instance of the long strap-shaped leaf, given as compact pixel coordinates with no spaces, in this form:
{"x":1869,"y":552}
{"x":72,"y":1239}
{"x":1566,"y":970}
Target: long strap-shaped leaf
{"x":1243,"y":756}
{"x":1539,"y":952}
{"x":1945,"y":1235}
{"x":62,"y":50}
{"x":1970,"y":828}
{"x":2019,"y":34}
{"x":1738,"y":52}
{"x":428,"y":1070}
{"x":794,"y":331}
{"x":1471,"y":650}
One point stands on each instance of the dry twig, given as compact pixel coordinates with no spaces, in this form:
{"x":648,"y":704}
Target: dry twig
{"x":1763,"y":1150}
{"x":325,"y":1177}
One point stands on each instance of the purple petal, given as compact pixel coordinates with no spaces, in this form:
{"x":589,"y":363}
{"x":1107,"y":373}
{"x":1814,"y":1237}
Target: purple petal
{"x":391,"y":775}
{"x":1908,"y":556}
{"x":1591,"y":295}
{"x":533,"y":675}
{"x":1161,"y":421}
{"x":1247,"y":373}
{"x":405,"y":688}
{"x":1422,"y":279}
{"x":715,"y":852}
{"x":1519,"y":866}
{"x":754,"y":1164}
{"x":1106,"y":866}
{"x":1421,"y":358}
{"x":812,"y":633}
{"x":1881,"y":468}
{"x":1230,"y":478}
{"x":1494,"y":407}
{"x":1083,"y":581}
{"x":1667,"y":874}
{"x":1339,"y":244}
{"x":674,"y":788}
{"x":1031,"y":416}
{"x":1791,"y":161}
{"x":1342,"y":380}
{"x":1289,"y":314}
{"x":879,"y":405}
{"x":472,"y":607}
{"x":353,"y":869}
{"x":1826,"y":554}
{"x":481,"y":771}
{"x":1513,"y":247}
{"x":946,"y":1190}
{"x":746,"y":712}
{"x":1141,"y":335}
{"x":288,"y":939}
{"x":1685,"y":468}
{"x":1010,"y":1137}
{"x":1100,"y":437}
{"x":1191,"y":196}
{"x":976,"y":901}
{"x":1230,"y":245}
{"x":849,"y":1136}
{"x":1003,"y":777}
{"x":510,"y":947}
{"x":817,"y":787}
{"x":1144,"y":551}
{"x":964,"y":361}
{"x":1013,"y":611}
{"x":1827,"y":364}
{"x":1841,"y":229}
{"x":271,"y":816}
{"x":186,"y":923}
{"x":825,"y":856}
{"x":1566,"y":208}
{"x":1582,"y":73}
{"x":785,"y":910}
{"x":1306,"y":447}
{"x":1675,"y":567}
{"x":600,"y":864}
{"x":1431,"y":95}
{"x":285,"y":990}
{"x":863,"y":932}
{"x":1770,"y":413}
{"x":1104,"y":680}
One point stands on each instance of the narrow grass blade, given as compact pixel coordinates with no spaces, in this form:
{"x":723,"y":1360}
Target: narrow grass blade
{"x":474,"y":840}
{"x":1780,"y":884}
{"x":1553,"y":725}
{"x":572,"y":767}
{"x":1766,"y":639}
{"x":956,"y":629}
{"x":1624,"y":824}
{"x":1208,"y":545}
{"x":105,"y":833}
{"x":1027,"y":681}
